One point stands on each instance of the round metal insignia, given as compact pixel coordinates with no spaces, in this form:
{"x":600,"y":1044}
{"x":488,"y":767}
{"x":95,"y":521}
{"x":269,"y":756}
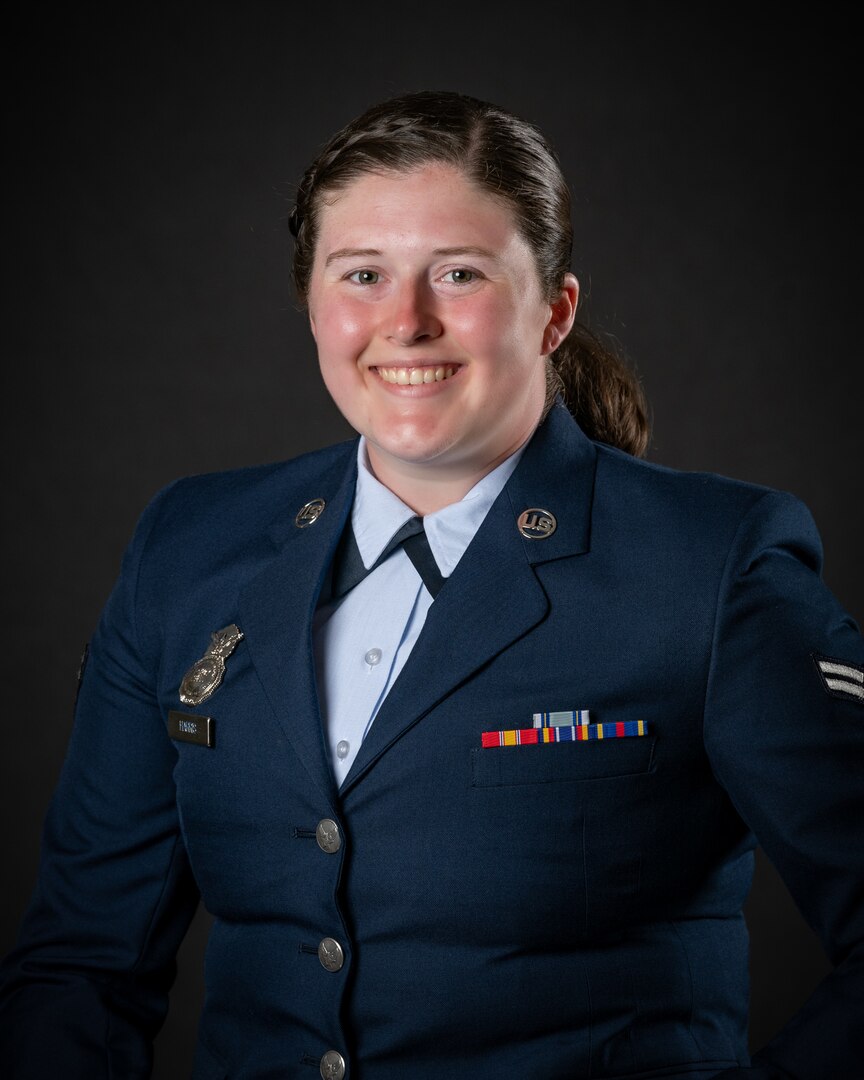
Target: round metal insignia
{"x":202,"y":679}
{"x":536,"y":524}
{"x":309,"y":514}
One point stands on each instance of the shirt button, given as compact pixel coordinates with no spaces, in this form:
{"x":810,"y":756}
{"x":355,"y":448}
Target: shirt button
{"x":327,"y":836}
{"x":342,"y":748}
{"x":330,"y":954}
{"x":332,"y":1066}
{"x":373,"y":657}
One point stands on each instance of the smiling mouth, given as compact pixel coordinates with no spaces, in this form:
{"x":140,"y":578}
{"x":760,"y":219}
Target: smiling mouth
{"x":417,"y":376}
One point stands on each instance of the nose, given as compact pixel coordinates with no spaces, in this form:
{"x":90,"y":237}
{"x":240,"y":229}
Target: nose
{"x":412,"y":318}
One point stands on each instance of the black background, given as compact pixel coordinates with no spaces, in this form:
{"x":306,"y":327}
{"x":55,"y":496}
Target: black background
{"x":151,"y":331}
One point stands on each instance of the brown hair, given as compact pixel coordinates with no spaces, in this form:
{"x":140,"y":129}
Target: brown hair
{"x":509,"y":158}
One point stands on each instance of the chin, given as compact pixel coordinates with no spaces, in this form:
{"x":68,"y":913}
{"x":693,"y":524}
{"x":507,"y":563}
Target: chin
{"x":412,"y":446}
{"x":416,"y":452}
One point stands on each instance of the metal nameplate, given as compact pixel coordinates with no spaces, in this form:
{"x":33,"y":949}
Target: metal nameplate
{"x":191,"y":728}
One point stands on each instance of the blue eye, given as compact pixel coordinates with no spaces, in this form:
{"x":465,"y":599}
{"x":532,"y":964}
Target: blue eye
{"x":460,"y":276}
{"x":365,"y":277}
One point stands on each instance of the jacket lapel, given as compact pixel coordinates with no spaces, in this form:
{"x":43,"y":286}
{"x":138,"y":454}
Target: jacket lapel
{"x":493,"y":597}
{"x":277,"y":606}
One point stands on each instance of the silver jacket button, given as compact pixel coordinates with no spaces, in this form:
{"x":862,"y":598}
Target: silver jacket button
{"x":332,"y":1066}
{"x":330,"y":954}
{"x":327,"y":835}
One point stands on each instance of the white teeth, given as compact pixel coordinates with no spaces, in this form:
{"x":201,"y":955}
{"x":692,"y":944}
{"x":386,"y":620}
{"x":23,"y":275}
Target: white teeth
{"x":415,"y":376}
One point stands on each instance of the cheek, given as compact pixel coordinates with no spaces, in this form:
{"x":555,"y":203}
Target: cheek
{"x":505,"y":329}
{"x":480,"y":326}
{"x":339,"y":325}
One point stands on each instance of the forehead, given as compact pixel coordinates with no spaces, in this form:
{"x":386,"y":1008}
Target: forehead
{"x":433,"y":203}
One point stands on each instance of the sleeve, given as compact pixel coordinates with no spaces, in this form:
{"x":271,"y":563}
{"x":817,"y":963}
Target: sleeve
{"x":86,"y":987}
{"x":784,"y":729}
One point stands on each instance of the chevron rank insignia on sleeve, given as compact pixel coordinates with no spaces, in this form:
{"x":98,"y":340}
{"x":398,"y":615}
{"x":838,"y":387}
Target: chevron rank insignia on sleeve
{"x":841,"y":678}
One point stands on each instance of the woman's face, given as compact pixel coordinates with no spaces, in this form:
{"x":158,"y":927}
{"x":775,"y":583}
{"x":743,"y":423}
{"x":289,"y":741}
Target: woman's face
{"x":430,"y":321}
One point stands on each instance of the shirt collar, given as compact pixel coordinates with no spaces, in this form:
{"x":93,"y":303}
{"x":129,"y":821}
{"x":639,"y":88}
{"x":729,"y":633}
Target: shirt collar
{"x":377,"y":513}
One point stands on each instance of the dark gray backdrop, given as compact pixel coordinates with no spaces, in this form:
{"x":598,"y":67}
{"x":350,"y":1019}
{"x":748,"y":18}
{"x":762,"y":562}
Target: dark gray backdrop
{"x":151,"y":330}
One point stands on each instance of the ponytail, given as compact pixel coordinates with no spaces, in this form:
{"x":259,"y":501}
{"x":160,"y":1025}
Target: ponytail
{"x":600,"y":390}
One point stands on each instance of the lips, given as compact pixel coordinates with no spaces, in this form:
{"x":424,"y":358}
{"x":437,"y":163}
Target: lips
{"x":417,"y":376}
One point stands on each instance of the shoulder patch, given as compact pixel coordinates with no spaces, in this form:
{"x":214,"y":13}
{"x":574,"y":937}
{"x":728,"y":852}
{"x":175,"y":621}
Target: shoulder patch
{"x":841,"y":678}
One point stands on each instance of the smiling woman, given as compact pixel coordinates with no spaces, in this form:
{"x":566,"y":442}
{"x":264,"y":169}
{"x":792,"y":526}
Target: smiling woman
{"x":499,"y":161}
{"x":475,"y":795}
{"x":432,"y":328}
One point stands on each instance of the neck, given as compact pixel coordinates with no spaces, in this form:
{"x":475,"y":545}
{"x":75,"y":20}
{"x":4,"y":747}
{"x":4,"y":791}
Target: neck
{"x":426,"y":487}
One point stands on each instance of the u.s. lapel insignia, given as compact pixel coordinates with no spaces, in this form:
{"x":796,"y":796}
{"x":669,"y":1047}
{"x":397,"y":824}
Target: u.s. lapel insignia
{"x":536,"y":524}
{"x":206,"y":674}
{"x":309,"y":513}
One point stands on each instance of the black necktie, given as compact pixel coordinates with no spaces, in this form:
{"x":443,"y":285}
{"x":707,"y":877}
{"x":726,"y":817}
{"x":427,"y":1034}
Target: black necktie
{"x":348,"y":568}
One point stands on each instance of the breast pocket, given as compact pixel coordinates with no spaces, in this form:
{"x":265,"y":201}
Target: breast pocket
{"x":546,"y":763}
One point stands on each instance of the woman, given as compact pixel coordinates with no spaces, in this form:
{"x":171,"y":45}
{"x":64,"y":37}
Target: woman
{"x":485,"y":804}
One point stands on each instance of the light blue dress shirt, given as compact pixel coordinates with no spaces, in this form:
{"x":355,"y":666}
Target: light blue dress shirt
{"x":363,"y":640}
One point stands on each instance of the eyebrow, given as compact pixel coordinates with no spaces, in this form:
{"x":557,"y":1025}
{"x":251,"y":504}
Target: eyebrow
{"x":350,"y":253}
{"x":483,"y":252}
{"x":358,"y":253}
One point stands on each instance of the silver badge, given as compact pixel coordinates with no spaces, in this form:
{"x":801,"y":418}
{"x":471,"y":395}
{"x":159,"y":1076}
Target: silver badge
{"x":309,"y":513}
{"x":536,"y":524}
{"x":206,"y":674}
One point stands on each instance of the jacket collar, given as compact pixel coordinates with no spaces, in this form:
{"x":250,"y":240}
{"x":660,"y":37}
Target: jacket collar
{"x":277,"y":605}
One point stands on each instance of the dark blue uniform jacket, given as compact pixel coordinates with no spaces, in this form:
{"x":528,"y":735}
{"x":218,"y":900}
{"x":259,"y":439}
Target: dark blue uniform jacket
{"x":565,"y":910}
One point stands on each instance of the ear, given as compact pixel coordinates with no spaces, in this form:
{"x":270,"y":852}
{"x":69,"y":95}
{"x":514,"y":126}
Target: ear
{"x":562,"y":313}
{"x":312,"y":323}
